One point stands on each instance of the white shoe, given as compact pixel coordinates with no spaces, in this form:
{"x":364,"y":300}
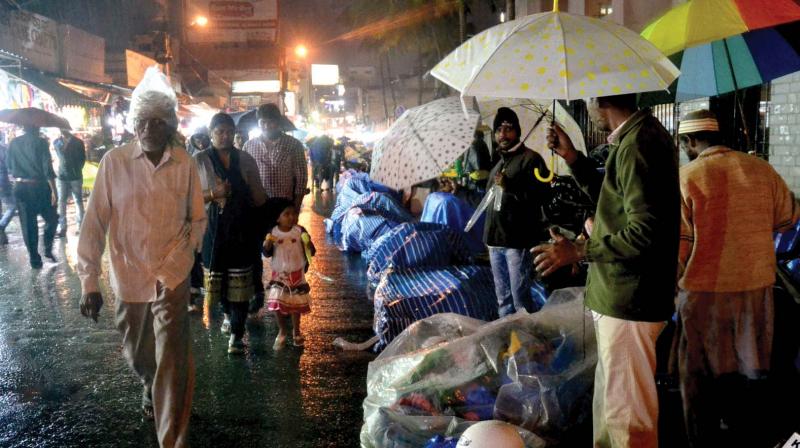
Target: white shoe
{"x":235,"y":346}
{"x":226,"y":325}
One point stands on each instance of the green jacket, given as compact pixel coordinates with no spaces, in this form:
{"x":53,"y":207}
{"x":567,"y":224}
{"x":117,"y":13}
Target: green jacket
{"x":633,"y":249}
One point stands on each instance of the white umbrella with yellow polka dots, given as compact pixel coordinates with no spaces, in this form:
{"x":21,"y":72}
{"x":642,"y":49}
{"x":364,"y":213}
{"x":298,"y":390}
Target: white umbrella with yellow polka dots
{"x":556,"y":55}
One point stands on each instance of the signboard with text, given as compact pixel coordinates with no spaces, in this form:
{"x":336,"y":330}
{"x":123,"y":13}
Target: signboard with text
{"x":222,"y":21}
{"x":31,"y":36}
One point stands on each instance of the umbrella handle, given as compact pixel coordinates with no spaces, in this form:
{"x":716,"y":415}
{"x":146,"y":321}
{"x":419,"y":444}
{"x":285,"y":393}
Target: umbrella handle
{"x":549,"y":178}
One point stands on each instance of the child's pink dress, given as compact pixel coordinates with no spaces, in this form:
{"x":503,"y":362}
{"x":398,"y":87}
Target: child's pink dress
{"x":288,"y":290}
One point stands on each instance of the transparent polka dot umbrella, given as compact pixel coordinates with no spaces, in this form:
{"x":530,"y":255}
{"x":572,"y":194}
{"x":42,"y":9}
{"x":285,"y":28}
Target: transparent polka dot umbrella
{"x":423,"y":143}
{"x":556,"y":55}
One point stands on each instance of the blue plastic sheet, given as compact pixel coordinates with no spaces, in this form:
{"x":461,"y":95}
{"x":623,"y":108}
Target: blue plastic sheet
{"x":417,"y":245}
{"x":360,"y":229}
{"x":454,"y":212}
{"x":404,"y":297}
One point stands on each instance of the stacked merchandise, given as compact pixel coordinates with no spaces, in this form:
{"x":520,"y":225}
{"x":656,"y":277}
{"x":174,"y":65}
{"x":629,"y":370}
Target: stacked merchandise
{"x":446,"y":372}
{"x":418,"y":270}
{"x":364,"y":211}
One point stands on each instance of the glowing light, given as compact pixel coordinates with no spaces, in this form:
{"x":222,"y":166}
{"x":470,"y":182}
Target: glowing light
{"x":201,"y":21}
{"x":301,"y":51}
{"x":502,"y":17}
{"x":254,"y":133}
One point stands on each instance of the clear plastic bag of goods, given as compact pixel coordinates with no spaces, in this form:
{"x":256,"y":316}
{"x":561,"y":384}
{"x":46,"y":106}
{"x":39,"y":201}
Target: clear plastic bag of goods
{"x":535,"y":371}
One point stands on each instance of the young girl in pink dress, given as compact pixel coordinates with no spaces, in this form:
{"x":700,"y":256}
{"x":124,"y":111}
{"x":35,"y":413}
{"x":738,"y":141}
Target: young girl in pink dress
{"x":290,"y":249}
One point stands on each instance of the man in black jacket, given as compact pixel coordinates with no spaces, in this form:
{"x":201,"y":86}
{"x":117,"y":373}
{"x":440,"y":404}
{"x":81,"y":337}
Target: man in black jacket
{"x":515,"y":223}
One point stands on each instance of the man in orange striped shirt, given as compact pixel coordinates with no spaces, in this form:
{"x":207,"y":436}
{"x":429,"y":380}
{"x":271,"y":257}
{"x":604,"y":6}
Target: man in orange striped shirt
{"x":731,"y":204}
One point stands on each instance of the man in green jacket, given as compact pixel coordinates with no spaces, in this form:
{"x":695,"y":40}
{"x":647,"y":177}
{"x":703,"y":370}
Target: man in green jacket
{"x":633,"y":253}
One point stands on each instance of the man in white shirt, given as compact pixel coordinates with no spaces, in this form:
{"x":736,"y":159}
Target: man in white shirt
{"x":147,"y":201}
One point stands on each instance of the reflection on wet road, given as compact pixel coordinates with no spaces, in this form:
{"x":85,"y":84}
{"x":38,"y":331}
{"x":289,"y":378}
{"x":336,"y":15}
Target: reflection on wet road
{"x":64,"y":383}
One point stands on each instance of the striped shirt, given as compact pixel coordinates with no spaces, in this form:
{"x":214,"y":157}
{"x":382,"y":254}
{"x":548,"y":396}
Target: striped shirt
{"x":731,"y":203}
{"x":153,"y":217}
{"x":282,"y":166}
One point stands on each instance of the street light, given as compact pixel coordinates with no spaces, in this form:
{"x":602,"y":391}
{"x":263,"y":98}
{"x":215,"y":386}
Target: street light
{"x":301,"y":51}
{"x":201,"y":21}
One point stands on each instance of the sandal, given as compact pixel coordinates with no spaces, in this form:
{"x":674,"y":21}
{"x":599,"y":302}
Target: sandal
{"x":299,"y":340}
{"x":280,"y":342}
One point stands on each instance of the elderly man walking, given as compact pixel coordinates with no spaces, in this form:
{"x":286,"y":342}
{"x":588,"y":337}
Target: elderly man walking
{"x":633,"y":253}
{"x":147,"y":200}
{"x":731,"y":205}
{"x":282,"y":165}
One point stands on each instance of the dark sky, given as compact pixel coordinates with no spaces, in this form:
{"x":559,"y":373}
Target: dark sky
{"x":312,"y":22}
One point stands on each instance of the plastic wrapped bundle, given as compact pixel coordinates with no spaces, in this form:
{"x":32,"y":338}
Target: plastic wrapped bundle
{"x":535,"y":371}
{"x":361,"y":228}
{"x":454,"y":212}
{"x":416,"y":246}
{"x":404,"y":297}
{"x":375,"y":203}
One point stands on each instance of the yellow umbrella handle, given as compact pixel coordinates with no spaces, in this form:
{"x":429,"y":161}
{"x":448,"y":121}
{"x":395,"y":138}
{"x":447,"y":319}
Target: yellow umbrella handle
{"x":549,"y":178}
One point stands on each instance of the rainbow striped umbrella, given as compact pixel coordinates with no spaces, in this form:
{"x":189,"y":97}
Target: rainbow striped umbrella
{"x":703,"y":21}
{"x":739,"y":61}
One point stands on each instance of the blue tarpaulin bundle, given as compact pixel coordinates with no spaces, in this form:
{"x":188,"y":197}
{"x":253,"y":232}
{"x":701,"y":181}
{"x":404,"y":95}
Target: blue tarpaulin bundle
{"x":404,"y":297}
{"x":452,"y":211}
{"x":354,"y":228}
{"x":417,"y":245}
{"x":361,"y":228}
{"x":787,"y":250}
{"x":355,"y":189}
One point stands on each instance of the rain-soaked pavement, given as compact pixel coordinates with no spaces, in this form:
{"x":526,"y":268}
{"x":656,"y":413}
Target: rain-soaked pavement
{"x":64,"y":383}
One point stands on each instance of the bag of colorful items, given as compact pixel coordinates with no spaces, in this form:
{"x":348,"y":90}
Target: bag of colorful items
{"x":406,"y":296}
{"x":445,"y":373}
{"x":450,"y":210}
{"x":415,"y":245}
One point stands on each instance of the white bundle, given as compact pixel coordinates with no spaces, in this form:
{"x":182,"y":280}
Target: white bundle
{"x":153,"y":98}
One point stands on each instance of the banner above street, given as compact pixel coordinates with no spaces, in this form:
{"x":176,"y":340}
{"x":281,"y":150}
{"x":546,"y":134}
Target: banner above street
{"x":226,"y":21}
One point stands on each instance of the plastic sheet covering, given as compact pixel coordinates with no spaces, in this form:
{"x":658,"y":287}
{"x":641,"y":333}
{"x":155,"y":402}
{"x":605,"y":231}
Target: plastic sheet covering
{"x":535,"y":371}
{"x":416,"y":246}
{"x":360,"y":182}
{"x":373,"y":203}
{"x":454,"y":212}
{"x":404,"y":297}
{"x":361,"y":228}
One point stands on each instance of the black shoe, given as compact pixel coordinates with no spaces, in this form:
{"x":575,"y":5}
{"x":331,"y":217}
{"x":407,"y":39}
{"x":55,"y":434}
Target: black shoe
{"x":3,"y":238}
{"x":49,"y":255}
{"x":36,"y":264}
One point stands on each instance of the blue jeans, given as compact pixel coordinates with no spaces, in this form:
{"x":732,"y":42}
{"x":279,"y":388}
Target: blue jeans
{"x":7,"y":200}
{"x":67,"y":188}
{"x":511,"y":269}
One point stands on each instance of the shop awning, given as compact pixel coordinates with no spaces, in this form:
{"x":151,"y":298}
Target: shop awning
{"x":62,"y":95}
{"x":100,"y":92}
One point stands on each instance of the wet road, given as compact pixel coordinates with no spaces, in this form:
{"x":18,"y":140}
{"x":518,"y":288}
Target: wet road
{"x":64,"y":383}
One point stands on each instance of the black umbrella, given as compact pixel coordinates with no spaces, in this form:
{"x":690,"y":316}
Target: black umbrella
{"x":31,"y":116}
